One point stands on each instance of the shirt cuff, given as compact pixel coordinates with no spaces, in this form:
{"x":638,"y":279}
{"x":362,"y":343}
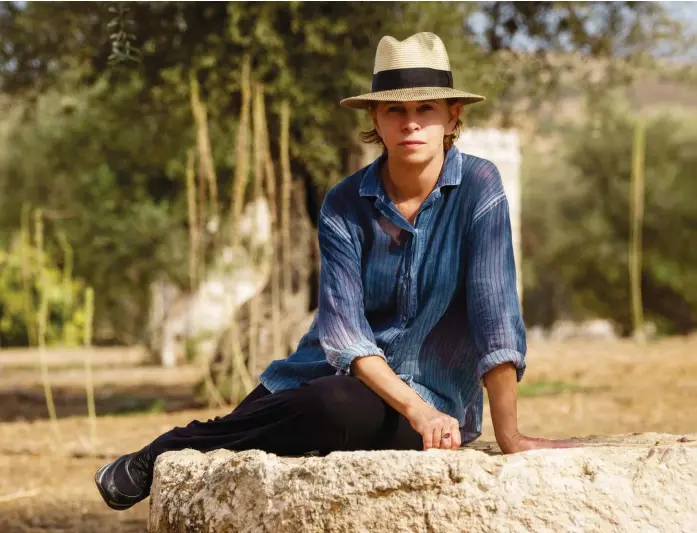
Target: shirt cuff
{"x":342,"y":359}
{"x":499,"y":357}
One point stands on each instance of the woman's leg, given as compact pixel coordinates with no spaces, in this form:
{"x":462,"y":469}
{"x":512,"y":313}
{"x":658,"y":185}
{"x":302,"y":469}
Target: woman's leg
{"x":327,"y":414}
{"x":313,"y":417}
{"x":259,"y":392}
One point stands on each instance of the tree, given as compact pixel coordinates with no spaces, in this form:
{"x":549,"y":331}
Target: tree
{"x":108,"y":142}
{"x":539,"y":46}
{"x":575,"y":246}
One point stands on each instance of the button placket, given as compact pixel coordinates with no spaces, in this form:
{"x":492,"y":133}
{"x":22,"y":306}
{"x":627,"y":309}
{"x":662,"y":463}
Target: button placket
{"x":420,"y":222}
{"x":404,"y":307}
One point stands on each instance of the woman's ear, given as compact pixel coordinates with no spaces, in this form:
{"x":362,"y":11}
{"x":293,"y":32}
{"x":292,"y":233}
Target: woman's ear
{"x":454,"y":110}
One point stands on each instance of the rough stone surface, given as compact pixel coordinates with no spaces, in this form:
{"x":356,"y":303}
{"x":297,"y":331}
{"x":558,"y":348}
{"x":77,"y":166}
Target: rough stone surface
{"x":631,"y":483}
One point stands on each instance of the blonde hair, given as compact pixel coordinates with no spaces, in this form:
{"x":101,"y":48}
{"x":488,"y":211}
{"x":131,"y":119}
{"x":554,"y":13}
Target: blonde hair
{"x":373,"y":137}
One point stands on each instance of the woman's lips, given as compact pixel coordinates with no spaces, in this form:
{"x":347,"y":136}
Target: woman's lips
{"x":411,"y":143}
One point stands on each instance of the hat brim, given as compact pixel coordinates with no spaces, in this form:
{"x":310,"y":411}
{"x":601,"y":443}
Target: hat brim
{"x":414,"y":94}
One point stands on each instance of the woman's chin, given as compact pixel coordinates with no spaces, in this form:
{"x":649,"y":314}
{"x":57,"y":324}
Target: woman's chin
{"x":411,"y":155}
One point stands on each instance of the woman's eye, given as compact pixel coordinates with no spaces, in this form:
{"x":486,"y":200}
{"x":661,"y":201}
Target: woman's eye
{"x":394,"y":109}
{"x":426,"y":108}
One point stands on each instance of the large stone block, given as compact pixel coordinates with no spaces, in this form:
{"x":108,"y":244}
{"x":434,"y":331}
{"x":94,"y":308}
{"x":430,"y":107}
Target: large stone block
{"x":635,"y":483}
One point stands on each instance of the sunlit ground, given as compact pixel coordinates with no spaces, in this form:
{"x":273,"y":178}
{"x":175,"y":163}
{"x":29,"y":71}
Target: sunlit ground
{"x":570,"y":389}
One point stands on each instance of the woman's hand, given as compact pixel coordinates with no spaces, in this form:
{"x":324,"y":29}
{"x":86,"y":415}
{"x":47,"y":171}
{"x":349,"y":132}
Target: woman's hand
{"x":521,"y":443}
{"x":437,"y":429}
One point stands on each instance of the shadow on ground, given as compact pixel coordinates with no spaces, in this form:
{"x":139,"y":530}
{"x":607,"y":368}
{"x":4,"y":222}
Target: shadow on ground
{"x":29,"y":403}
{"x":76,"y":517}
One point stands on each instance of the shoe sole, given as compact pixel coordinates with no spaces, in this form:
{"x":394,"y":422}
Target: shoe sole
{"x":98,"y":481}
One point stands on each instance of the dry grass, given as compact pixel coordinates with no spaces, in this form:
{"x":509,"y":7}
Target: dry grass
{"x":611,"y":388}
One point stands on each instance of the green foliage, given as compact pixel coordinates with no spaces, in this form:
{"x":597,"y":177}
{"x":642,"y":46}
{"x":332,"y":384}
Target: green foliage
{"x":108,"y":180}
{"x":576,"y":240}
{"x":122,"y":49}
{"x":313,"y":53}
{"x":66,"y":319}
{"x":102,"y":150}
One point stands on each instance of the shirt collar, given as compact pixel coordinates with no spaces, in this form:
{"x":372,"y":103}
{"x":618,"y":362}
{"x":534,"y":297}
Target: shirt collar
{"x":451,"y":174}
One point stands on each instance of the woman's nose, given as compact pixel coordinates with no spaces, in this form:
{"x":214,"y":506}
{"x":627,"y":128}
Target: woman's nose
{"x":410,"y":123}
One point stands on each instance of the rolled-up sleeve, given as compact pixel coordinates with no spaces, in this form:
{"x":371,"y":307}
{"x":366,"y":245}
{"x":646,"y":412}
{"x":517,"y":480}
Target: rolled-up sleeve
{"x":344,"y":331}
{"x":493,"y":308}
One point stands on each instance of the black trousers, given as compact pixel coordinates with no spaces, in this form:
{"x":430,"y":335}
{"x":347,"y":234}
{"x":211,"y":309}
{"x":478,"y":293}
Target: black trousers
{"x":327,"y":414}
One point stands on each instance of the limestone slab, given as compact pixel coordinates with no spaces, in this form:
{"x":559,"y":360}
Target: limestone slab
{"x":627,"y":483}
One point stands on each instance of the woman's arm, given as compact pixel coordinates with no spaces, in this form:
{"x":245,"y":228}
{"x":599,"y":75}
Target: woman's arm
{"x":344,"y":331}
{"x":496,"y":323}
{"x":500,"y":384}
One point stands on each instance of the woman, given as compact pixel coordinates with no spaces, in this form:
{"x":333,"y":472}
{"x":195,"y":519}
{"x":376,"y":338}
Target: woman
{"x":418,"y":304}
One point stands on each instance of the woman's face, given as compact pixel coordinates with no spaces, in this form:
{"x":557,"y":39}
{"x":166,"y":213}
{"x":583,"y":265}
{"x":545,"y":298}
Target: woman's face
{"x":414,"y":131}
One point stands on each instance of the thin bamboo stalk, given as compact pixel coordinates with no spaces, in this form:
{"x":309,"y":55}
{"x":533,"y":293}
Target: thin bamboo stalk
{"x":193,"y":221}
{"x":255,"y":302}
{"x":286,"y":181}
{"x":25,"y":270}
{"x":212,"y":393}
{"x":43,"y":317}
{"x":241,"y":382}
{"x":237,"y":205}
{"x":203,"y":143}
{"x":241,"y":149}
{"x":258,"y":127}
{"x":242,"y":372}
{"x":67,"y":279}
{"x":276,"y":327}
{"x":89,"y":381}
{"x":202,"y":213}
{"x":637,"y":220}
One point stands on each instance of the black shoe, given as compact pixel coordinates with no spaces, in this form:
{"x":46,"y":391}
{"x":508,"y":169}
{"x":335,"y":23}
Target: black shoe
{"x":126,"y":481}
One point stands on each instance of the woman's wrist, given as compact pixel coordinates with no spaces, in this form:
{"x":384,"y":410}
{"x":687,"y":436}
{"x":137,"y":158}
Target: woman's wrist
{"x":378,"y":376}
{"x":413,"y":407}
{"x":507,"y":441}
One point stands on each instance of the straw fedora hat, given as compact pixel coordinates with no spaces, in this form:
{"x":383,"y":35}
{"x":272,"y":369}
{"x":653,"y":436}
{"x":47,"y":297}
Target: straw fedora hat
{"x":414,"y":69}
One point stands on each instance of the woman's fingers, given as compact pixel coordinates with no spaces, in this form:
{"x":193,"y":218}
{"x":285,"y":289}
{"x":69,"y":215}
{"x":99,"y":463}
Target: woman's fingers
{"x":456,"y":438}
{"x":450,"y":438}
{"x":428,"y":438}
{"x":437,"y":435}
{"x":446,"y":434}
{"x":441,"y":432}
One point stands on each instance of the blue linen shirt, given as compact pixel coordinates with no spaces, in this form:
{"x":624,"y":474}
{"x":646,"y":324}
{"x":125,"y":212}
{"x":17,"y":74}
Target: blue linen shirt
{"x":436,"y":300}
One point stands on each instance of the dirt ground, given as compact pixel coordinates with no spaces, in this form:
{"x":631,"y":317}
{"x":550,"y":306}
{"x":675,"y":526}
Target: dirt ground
{"x":572,"y":389}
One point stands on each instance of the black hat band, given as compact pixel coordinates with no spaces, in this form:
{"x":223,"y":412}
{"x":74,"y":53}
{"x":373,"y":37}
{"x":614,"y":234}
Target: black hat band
{"x":408,"y":78}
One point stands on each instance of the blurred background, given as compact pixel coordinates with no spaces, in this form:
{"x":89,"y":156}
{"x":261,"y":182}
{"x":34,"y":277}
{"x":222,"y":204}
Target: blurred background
{"x":161,"y":169}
